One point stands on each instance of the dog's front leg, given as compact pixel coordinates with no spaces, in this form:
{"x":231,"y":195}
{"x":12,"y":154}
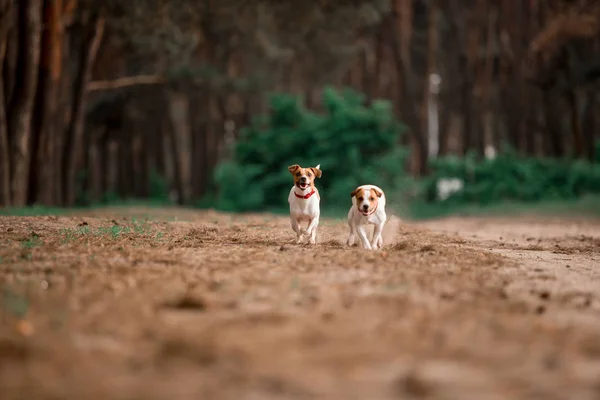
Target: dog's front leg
{"x":312,"y":230}
{"x":377,"y":241}
{"x":360,"y":229}
{"x":296,"y":228}
{"x":351,"y":235}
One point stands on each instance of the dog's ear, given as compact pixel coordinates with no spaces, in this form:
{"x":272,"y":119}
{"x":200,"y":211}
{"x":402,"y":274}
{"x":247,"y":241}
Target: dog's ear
{"x":293,"y":168}
{"x":317,"y":171}
{"x":353,"y":193}
{"x":377,"y":192}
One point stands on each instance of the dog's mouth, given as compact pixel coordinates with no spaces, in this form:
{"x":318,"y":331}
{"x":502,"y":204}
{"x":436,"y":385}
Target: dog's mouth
{"x":302,"y":185}
{"x":364,"y":212}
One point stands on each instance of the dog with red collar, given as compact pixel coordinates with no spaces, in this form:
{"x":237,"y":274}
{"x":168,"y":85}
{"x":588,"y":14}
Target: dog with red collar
{"x":305,"y":201}
{"x":368,"y":207}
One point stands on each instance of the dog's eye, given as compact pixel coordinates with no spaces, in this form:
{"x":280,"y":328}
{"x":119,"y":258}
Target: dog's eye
{"x":360,"y":198}
{"x":371,"y":198}
{"x":298,"y":174}
{"x":309,"y":174}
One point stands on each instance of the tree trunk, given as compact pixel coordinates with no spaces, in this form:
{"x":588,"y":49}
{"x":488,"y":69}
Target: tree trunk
{"x":198,"y":158}
{"x":466,"y":96}
{"x":553,"y":125}
{"x":72,"y":146}
{"x":180,"y":136}
{"x":6,"y":18}
{"x":589,"y":124}
{"x":9,"y":30}
{"x":407,"y":94}
{"x":50,"y":74}
{"x":20,"y":115}
{"x":95,"y":166}
{"x":63,"y":115}
{"x":573,"y":106}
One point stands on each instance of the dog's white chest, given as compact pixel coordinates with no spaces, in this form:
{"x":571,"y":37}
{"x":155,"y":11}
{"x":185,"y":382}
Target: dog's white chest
{"x":303,"y":209}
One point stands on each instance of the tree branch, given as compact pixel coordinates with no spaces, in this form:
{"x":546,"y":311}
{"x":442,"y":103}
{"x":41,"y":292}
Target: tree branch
{"x":125,"y":82}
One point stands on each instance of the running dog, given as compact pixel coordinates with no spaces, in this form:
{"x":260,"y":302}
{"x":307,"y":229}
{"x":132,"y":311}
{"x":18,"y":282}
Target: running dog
{"x":368,"y":207}
{"x":304,"y":201}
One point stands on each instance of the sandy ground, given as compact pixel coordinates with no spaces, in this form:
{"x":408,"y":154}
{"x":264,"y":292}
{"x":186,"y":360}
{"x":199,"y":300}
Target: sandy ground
{"x":142,"y":304}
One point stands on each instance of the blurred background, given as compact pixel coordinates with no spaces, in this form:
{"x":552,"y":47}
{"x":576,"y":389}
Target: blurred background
{"x":446,"y":104}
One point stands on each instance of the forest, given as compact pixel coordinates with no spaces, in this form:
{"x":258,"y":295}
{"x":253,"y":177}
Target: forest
{"x":102,"y":100}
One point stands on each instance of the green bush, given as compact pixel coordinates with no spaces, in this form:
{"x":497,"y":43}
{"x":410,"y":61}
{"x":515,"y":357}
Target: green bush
{"x":353,"y":143}
{"x":159,"y":188}
{"x":510,"y":176}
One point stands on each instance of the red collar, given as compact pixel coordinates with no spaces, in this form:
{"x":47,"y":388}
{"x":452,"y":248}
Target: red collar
{"x":306,"y":196}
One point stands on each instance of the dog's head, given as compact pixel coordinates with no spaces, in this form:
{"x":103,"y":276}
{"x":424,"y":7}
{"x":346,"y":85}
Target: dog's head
{"x":304,"y":177}
{"x":367,"y":199}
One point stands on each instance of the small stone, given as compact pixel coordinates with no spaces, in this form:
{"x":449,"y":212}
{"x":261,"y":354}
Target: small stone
{"x":24,"y":328}
{"x":545,"y":295}
{"x":540,"y":309}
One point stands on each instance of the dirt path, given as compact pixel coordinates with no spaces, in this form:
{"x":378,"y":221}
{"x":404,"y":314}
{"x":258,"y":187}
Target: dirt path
{"x":137,"y":304}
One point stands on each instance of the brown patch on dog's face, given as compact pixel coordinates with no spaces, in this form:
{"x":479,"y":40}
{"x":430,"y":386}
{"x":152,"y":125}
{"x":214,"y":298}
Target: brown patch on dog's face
{"x":304,"y":177}
{"x":366,"y":200}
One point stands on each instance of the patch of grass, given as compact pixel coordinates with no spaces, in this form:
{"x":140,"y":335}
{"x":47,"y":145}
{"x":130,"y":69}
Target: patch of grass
{"x":40,"y":211}
{"x":70,"y":234}
{"x":113,"y":231}
{"x":32,"y":242}
{"x":32,"y":211}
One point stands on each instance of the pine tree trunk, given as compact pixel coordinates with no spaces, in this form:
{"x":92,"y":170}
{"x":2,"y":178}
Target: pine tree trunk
{"x":6,"y":18}
{"x":20,"y":116}
{"x":180,"y":136}
{"x":407,"y":93}
{"x":589,"y":124}
{"x":50,"y":75}
{"x":73,"y":143}
{"x":9,"y":30}
{"x":553,"y":125}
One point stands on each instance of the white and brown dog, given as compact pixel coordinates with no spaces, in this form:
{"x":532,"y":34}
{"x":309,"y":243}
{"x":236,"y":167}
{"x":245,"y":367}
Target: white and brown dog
{"x":304,"y":201}
{"x":368,"y":207}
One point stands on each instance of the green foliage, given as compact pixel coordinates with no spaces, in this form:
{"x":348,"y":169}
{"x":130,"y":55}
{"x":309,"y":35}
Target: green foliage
{"x":159,"y":188}
{"x":511,"y":177}
{"x":353,"y":143}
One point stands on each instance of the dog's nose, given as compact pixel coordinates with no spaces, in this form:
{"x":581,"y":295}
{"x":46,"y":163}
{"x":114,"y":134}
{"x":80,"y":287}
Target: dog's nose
{"x":303,"y":179}
{"x":365,"y":207}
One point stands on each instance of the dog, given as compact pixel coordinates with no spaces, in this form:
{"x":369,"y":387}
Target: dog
{"x":368,"y":207}
{"x":305,"y":201}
